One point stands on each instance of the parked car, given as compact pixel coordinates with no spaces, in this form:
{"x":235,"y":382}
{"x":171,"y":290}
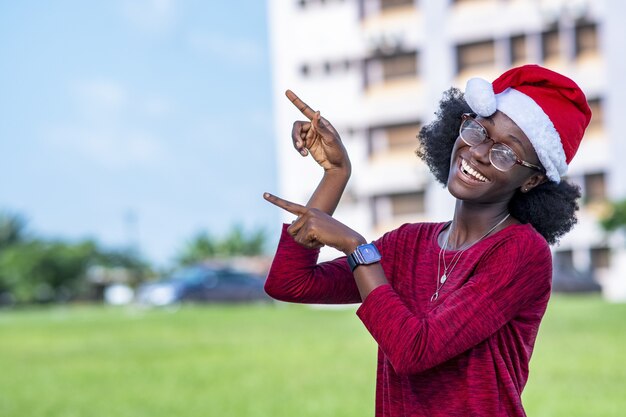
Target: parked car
{"x":201,"y":283}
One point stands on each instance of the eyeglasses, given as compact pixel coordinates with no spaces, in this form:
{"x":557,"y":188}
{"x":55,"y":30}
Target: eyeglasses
{"x":501,"y":156}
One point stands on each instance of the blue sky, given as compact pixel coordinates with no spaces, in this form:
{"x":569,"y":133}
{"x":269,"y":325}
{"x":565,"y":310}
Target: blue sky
{"x":143,"y":120}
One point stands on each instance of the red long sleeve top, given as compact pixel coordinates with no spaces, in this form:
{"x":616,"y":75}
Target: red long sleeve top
{"x":465,"y":354}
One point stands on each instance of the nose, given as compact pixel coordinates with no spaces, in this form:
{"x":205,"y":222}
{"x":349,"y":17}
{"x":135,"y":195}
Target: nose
{"x":480,"y":152}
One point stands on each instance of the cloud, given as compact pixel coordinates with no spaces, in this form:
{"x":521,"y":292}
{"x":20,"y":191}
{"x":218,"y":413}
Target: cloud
{"x":152,"y":16}
{"x":100,"y":95}
{"x":111,"y":127}
{"x":238,"y":51}
{"x":110,"y":149}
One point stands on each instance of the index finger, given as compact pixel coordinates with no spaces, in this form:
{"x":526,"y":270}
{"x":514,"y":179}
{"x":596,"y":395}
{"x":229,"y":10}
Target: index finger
{"x":301,"y":105}
{"x":292,"y":208}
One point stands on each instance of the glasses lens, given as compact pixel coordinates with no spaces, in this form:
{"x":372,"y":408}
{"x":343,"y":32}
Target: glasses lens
{"x":502,"y":157}
{"x":472,"y":132}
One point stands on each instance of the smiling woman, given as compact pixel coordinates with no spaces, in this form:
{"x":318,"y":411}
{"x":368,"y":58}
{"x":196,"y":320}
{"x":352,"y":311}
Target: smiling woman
{"x":454,"y":307}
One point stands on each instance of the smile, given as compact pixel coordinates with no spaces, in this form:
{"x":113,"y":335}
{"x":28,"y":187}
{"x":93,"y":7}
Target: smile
{"x":470,"y":172}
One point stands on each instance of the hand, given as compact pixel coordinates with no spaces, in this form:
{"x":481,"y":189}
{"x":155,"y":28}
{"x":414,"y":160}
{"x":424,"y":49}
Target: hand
{"x":313,"y":228}
{"x":318,"y":138}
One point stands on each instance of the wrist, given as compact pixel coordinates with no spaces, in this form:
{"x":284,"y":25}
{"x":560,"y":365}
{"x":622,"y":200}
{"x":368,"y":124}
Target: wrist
{"x":344,"y":171}
{"x":353,"y":243}
{"x":366,"y":254}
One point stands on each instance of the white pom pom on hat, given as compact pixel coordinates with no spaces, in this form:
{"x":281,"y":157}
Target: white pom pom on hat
{"x":549,"y":108}
{"x":480,"y":97}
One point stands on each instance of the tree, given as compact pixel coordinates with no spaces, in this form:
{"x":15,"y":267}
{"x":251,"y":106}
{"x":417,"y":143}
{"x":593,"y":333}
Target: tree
{"x":12,"y":227}
{"x":617,"y":218}
{"x":202,"y":246}
{"x":35,"y":269}
{"x":40,"y":271}
{"x":236,"y":242}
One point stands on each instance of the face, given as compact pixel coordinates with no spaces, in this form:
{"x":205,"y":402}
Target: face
{"x":472,"y":177}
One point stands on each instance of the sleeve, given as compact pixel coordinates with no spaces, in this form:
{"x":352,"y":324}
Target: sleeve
{"x":511,"y":277}
{"x":295,"y":276}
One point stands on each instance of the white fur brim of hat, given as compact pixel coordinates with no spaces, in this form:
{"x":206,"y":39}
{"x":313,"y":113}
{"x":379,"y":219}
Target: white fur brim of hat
{"x":528,"y":116}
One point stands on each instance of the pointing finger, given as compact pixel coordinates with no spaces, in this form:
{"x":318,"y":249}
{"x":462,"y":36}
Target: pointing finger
{"x":301,"y":105}
{"x":292,"y":208}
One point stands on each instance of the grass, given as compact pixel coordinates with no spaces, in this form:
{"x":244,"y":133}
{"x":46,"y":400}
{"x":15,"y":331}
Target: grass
{"x":262,"y":360}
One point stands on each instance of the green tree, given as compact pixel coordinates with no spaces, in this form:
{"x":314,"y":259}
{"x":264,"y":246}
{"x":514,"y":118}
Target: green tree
{"x":12,"y":227}
{"x":202,"y":246}
{"x":38,"y":271}
{"x":34,"y":269}
{"x":236,"y":242}
{"x":617,"y":218}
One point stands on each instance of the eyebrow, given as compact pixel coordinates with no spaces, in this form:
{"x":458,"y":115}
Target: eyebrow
{"x":519,"y":142}
{"x":492,"y":123}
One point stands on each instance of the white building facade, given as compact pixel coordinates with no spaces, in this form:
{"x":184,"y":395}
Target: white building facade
{"x":377,"y":69}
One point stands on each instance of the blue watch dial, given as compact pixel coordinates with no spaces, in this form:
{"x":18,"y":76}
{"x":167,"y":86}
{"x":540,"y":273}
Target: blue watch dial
{"x":369,"y":252}
{"x":363,"y":255}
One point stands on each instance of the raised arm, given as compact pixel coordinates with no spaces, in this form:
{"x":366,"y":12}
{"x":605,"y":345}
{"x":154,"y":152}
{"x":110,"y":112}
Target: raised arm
{"x":317,"y":137}
{"x":314,"y":226}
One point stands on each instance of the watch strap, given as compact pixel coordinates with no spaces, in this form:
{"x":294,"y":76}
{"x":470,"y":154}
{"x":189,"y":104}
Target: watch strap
{"x":356,"y":258}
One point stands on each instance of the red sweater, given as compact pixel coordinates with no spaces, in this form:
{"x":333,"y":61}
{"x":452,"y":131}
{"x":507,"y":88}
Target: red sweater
{"x":467,"y":353}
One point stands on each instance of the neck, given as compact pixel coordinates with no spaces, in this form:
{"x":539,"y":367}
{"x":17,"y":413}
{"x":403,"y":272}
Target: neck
{"x":471,"y":222}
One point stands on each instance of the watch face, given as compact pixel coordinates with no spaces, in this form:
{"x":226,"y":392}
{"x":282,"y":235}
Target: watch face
{"x":369,"y":253}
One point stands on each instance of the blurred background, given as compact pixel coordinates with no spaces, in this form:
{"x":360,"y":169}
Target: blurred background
{"x":137,"y":138}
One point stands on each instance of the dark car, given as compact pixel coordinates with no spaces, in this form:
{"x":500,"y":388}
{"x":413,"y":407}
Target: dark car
{"x":201,"y":283}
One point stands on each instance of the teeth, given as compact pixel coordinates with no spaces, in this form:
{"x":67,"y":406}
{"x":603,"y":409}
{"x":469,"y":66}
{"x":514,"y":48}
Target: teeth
{"x":469,"y":170}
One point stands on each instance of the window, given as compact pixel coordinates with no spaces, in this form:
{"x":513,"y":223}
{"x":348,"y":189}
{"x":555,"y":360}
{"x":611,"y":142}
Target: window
{"x":518,"y":49}
{"x":397,"y":206}
{"x":586,"y":40}
{"x":390,"y":4}
{"x":600,"y":257}
{"x":597,"y":118}
{"x":402,"y":136}
{"x":475,"y":55}
{"x":564,"y":260}
{"x":326,"y":68}
{"x":595,"y":187}
{"x":407,"y":203}
{"x":550,"y":45}
{"x":304,"y":3}
{"x":399,"y":66}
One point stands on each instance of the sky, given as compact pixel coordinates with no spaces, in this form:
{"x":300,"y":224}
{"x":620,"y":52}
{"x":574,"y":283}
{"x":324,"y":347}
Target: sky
{"x":136,"y":122}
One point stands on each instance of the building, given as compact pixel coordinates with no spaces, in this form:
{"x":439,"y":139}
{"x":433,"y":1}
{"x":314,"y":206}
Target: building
{"x":377,"y":68}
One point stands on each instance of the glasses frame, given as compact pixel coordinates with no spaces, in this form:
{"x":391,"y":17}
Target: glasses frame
{"x":518,"y":161}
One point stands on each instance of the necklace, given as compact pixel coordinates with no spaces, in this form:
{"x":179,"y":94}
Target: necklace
{"x":447,"y":269}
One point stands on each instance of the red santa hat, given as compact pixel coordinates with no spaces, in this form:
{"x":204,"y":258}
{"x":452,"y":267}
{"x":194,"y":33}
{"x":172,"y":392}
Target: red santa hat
{"x":549,"y":108}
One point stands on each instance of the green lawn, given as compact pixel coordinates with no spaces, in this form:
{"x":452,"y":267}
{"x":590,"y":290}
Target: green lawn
{"x":280,"y":360}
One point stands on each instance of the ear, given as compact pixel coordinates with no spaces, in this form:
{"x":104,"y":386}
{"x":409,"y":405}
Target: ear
{"x":532,"y":182}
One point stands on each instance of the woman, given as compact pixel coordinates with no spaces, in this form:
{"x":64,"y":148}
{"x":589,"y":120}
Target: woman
{"x":454,"y":307}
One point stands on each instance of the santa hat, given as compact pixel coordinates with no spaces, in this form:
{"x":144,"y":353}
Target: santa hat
{"x":549,"y":108}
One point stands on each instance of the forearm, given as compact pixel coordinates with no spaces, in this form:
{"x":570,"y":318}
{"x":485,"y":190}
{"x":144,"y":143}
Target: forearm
{"x":368,"y":278}
{"x":295,"y":276}
{"x":326,"y":198}
{"x":330,"y":189}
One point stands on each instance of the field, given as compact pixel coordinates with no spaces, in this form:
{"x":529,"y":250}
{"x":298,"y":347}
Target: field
{"x":279,"y":360}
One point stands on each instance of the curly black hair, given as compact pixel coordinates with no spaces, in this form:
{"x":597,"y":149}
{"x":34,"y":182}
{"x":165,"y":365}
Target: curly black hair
{"x":550,"y":207}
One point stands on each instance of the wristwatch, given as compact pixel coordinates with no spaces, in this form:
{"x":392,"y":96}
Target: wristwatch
{"x":364,"y":255}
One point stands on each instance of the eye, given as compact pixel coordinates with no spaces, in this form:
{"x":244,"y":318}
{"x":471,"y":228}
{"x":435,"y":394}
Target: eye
{"x":473,"y":132}
{"x":503,"y":155}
